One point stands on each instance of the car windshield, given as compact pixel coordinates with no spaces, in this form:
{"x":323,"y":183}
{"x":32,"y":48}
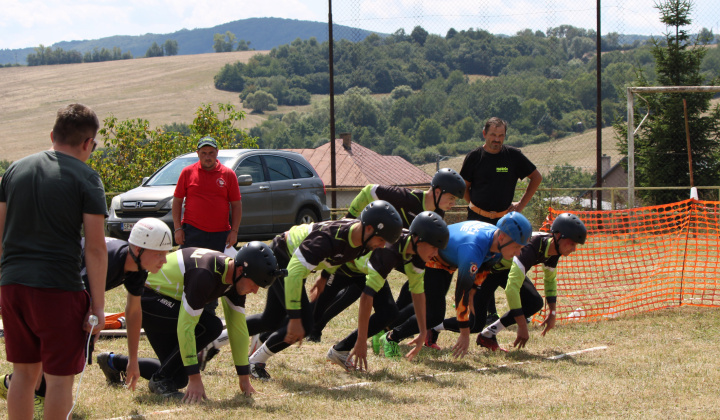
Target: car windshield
{"x":171,"y":172}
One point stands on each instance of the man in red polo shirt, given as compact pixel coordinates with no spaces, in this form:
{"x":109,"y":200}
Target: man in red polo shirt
{"x":207,"y":187}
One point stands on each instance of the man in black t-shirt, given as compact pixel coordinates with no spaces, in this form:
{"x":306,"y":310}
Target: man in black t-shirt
{"x":491,"y":173}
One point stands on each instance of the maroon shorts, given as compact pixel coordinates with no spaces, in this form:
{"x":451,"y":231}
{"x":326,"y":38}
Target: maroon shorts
{"x":45,"y":325}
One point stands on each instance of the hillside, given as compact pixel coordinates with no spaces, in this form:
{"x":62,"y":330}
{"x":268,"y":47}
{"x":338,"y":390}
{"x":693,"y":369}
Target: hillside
{"x":263,"y":34}
{"x":162,"y":90}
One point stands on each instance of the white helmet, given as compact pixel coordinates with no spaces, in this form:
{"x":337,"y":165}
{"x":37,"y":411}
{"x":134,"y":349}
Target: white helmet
{"x":151,"y":233}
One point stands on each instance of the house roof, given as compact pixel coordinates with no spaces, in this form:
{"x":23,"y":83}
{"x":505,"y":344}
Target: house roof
{"x":359,"y":166}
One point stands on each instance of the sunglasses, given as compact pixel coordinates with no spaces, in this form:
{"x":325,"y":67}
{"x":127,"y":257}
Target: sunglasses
{"x":94,"y":143}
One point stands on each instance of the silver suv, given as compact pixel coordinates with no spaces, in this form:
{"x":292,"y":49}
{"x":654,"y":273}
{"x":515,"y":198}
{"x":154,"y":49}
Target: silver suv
{"x":279,"y":189}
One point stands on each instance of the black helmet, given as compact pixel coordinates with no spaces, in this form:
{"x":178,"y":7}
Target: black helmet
{"x":430,"y":228}
{"x":384,"y":219}
{"x":570,"y":226}
{"x":258,"y":263}
{"x":449,"y":181}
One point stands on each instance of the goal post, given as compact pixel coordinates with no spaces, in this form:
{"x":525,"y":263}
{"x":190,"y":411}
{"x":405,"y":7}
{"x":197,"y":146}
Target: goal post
{"x":631,"y":91}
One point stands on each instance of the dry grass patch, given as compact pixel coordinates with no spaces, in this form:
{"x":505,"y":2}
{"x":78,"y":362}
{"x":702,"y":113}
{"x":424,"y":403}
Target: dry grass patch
{"x":161,"y":90}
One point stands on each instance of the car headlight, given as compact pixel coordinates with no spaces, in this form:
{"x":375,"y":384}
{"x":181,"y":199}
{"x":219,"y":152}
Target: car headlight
{"x":116,"y":203}
{"x":168,"y":204}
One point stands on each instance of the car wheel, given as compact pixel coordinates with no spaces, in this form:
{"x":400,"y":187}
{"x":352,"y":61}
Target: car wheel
{"x":306,"y":216}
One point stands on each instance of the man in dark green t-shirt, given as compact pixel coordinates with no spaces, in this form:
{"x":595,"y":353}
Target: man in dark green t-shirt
{"x":45,"y":201}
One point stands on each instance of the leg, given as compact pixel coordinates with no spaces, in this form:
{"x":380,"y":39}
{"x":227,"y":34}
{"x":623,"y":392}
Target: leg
{"x":342,"y":301}
{"x":385,"y":311}
{"x":58,"y":396}
{"x":531,"y":301}
{"x":21,"y":392}
{"x":437,"y":284}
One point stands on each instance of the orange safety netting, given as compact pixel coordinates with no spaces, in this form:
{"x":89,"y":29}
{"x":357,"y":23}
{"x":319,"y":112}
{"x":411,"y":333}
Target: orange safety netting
{"x":639,"y":260}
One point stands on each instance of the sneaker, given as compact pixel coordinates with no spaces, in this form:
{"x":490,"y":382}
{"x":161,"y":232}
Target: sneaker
{"x":206,"y":355}
{"x":340,"y":358}
{"x":314,"y":337}
{"x":113,"y":376}
{"x":491,"y":318}
{"x":431,"y":339}
{"x":39,"y":407}
{"x":3,"y":388}
{"x":376,"y":346}
{"x":255,"y":344}
{"x":258,"y":371}
{"x":390,"y":348}
{"x":164,"y":386}
{"x":489,"y":343}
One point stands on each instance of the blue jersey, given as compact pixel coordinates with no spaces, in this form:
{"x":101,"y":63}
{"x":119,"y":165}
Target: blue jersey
{"x":468,"y":251}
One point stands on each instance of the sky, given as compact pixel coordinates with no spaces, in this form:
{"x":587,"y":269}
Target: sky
{"x":29,"y":23}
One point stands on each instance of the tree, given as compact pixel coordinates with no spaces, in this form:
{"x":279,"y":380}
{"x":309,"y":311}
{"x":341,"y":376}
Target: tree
{"x":223,"y":43}
{"x":133,"y":150}
{"x":243,"y":45}
{"x":660,"y":146}
{"x":428,"y":133}
{"x":154,"y":51}
{"x":419,"y":35}
{"x":260,"y":101}
{"x":170,"y":47}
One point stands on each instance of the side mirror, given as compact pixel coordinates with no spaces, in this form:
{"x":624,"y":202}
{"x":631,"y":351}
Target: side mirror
{"x":144,"y":180}
{"x":244,"y":180}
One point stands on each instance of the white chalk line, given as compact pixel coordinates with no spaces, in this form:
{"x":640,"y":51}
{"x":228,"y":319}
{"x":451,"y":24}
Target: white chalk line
{"x":365,"y":384}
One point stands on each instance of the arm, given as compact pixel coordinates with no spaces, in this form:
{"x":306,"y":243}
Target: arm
{"x":96,"y":261}
{"x":188,"y":319}
{"x":235,"y":225}
{"x":233,"y":308}
{"x":359,"y":352}
{"x":551,"y":297}
{"x":467,"y":191}
{"x":293,"y":297}
{"x":549,"y":322}
{"x":3,"y":214}
{"x":419,"y":305}
{"x":361,"y":200}
{"x":177,"y":220}
{"x":535,"y":180}
{"x":133,"y":317}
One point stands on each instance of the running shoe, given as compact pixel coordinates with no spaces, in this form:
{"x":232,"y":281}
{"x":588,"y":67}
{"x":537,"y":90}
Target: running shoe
{"x":39,"y":406}
{"x":258,"y":371}
{"x":164,"y":387}
{"x":113,"y":376}
{"x":3,"y":388}
{"x":390,"y":348}
{"x":340,"y":358}
{"x":376,"y":345}
{"x":489,"y":343}
{"x":431,"y":339}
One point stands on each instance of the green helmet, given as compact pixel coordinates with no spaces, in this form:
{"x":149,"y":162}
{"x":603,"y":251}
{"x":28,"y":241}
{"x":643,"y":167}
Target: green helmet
{"x":430,"y":228}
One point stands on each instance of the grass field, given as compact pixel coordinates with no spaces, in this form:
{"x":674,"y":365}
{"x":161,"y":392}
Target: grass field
{"x":654,"y":365}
